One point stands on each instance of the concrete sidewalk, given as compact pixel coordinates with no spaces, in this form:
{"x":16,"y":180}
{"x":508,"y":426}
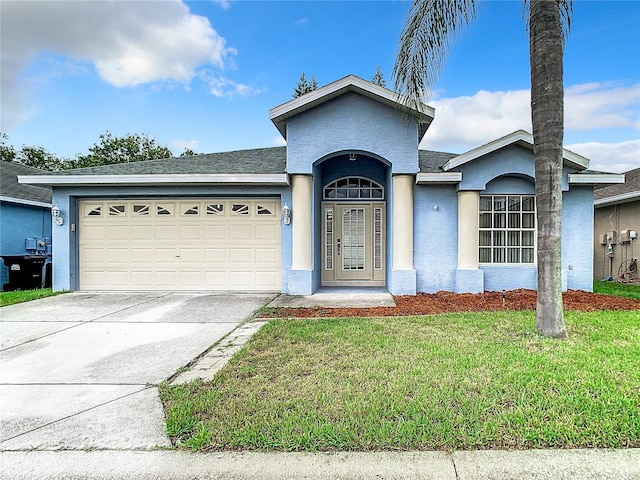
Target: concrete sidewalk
{"x":338,"y":297}
{"x":466,"y":465}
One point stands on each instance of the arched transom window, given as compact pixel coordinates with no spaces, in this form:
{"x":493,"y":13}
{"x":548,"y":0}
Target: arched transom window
{"x":353,"y":188}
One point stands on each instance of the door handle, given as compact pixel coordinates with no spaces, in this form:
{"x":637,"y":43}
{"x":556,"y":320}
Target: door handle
{"x":338,"y":247}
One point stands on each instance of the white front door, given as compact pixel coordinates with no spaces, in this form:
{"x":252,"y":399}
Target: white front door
{"x":353,"y":244}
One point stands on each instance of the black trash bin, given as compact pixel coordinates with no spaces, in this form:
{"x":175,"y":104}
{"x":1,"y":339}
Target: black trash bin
{"x":25,"y":271}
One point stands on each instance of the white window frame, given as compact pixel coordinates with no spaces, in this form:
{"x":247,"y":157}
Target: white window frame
{"x":506,"y":240}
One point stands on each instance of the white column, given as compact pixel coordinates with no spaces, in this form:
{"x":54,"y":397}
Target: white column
{"x":403,"y":222}
{"x":467,"y":230}
{"x":301,"y":222}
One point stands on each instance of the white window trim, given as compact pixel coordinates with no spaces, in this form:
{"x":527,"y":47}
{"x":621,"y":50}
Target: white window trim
{"x":506,"y":229}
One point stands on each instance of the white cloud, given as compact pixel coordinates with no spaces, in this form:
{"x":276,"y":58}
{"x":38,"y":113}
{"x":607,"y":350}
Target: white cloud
{"x":279,"y":141}
{"x":610,"y":157}
{"x":602,"y":105}
{"x":471,"y":121}
{"x":220,"y":86}
{"x":301,"y":22}
{"x":224,"y":4}
{"x":129,"y":43}
{"x":463,"y":123}
{"x":182,"y":145}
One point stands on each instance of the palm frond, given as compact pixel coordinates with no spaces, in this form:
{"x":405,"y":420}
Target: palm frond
{"x":424,"y":45}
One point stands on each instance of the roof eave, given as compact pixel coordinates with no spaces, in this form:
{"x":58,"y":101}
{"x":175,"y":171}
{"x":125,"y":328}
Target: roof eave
{"x":22,"y":201}
{"x":595,"y":178}
{"x":158,"y":179}
{"x":617,"y":199}
{"x":519,"y":137}
{"x":440,"y":178}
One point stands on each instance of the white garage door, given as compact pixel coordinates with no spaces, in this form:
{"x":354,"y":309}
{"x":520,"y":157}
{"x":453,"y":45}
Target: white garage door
{"x":180,"y":244}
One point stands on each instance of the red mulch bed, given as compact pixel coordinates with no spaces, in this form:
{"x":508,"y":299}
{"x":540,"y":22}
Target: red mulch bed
{"x":446,"y":302}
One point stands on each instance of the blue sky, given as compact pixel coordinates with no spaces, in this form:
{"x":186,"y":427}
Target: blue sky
{"x":204,"y":74}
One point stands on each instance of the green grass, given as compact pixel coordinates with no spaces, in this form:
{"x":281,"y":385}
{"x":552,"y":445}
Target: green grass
{"x":443,"y":382}
{"x":10,"y":298}
{"x":618,"y":289}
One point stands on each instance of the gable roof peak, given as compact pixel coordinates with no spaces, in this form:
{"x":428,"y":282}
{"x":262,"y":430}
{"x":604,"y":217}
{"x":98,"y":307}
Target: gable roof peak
{"x":519,"y":137}
{"x":351,"y":83}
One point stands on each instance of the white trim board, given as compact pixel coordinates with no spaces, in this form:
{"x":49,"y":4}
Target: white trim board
{"x":519,"y":137}
{"x":22,"y":201}
{"x":161,"y":179}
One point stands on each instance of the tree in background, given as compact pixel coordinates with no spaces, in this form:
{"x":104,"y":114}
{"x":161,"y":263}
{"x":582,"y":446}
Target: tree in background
{"x":423,"y":47}
{"x":305,"y":86}
{"x":36,"y":156}
{"x":131,"y":147}
{"x":188,"y":153}
{"x":108,"y":151}
{"x":378,"y":77}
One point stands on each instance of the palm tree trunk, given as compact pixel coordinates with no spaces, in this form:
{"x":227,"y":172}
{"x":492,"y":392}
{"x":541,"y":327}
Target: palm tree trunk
{"x":547,"y":111}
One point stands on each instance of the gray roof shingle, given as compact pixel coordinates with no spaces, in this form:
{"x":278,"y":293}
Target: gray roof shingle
{"x":631,"y":184}
{"x":9,"y":186}
{"x":432,"y":162}
{"x":257,"y":161}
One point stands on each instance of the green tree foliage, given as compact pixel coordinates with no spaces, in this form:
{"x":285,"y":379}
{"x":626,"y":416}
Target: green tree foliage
{"x":378,"y":77}
{"x":31,"y":156}
{"x":305,"y":86}
{"x":128,"y":148}
{"x":108,"y":151}
{"x":188,"y":153}
{"x":424,"y":43}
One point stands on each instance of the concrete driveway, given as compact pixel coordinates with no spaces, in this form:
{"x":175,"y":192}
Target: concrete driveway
{"x":80,"y":370}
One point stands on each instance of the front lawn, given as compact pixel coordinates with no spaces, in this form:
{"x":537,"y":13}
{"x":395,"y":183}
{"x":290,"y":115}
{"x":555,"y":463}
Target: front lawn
{"x":618,"y":289}
{"x":443,"y":382}
{"x":10,"y":298}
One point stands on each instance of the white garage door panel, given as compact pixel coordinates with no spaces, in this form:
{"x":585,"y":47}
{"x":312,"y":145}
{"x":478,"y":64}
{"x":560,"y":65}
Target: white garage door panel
{"x":200,"y":244}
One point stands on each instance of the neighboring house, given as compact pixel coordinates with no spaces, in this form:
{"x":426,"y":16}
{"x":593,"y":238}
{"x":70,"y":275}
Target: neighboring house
{"x":350,"y":201}
{"x":25,"y":215}
{"x":616,"y":216}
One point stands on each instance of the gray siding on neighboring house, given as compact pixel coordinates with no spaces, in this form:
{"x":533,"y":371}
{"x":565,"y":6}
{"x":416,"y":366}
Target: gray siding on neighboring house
{"x":619,"y":209}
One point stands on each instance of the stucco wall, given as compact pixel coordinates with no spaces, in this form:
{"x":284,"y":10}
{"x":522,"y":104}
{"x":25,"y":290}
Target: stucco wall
{"x":356,"y":123}
{"x":435,"y":237}
{"x":65,"y":269}
{"x":625,"y":216}
{"x":18,"y":222}
{"x":577,"y":231}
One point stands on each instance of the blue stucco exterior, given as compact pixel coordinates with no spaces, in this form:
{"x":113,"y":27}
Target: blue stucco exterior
{"x":18,"y":222}
{"x":320,"y":141}
{"x":356,"y":123}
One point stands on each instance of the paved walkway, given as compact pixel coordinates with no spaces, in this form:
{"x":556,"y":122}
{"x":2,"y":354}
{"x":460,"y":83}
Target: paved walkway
{"x":342,"y":297}
{"x":473,"y":465}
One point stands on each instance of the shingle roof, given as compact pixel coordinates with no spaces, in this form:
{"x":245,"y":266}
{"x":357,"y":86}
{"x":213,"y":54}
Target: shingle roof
{"x":258,"y":161}
{"x":631,"y":184}
{"x":10,"y":188}
{"x":431,"y":162}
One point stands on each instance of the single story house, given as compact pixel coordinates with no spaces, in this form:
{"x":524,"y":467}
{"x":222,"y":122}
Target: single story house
{"x":25,"y":215}
{"x":350,"y":201}
{"x":616,"y":218}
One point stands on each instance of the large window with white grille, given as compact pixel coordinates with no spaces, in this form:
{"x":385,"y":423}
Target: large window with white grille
{"x":507,"y":229}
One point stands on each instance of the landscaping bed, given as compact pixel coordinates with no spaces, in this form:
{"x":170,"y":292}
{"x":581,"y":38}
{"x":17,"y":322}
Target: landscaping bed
{"x":447,"y":302}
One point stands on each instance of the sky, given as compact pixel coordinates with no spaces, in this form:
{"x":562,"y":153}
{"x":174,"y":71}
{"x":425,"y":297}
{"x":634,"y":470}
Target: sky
{"x":204,"y":74}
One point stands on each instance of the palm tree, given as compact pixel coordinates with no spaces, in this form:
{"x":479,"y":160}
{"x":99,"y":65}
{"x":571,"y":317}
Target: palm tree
{"x":423,"y":47}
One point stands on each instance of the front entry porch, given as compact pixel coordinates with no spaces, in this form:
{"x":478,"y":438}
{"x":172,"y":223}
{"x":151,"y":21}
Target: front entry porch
{"x":353,"y":244}
{"x":338,"y":297}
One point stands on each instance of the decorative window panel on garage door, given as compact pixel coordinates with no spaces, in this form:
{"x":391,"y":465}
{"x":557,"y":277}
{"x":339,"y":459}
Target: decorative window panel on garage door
{"x":180,"y":244}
